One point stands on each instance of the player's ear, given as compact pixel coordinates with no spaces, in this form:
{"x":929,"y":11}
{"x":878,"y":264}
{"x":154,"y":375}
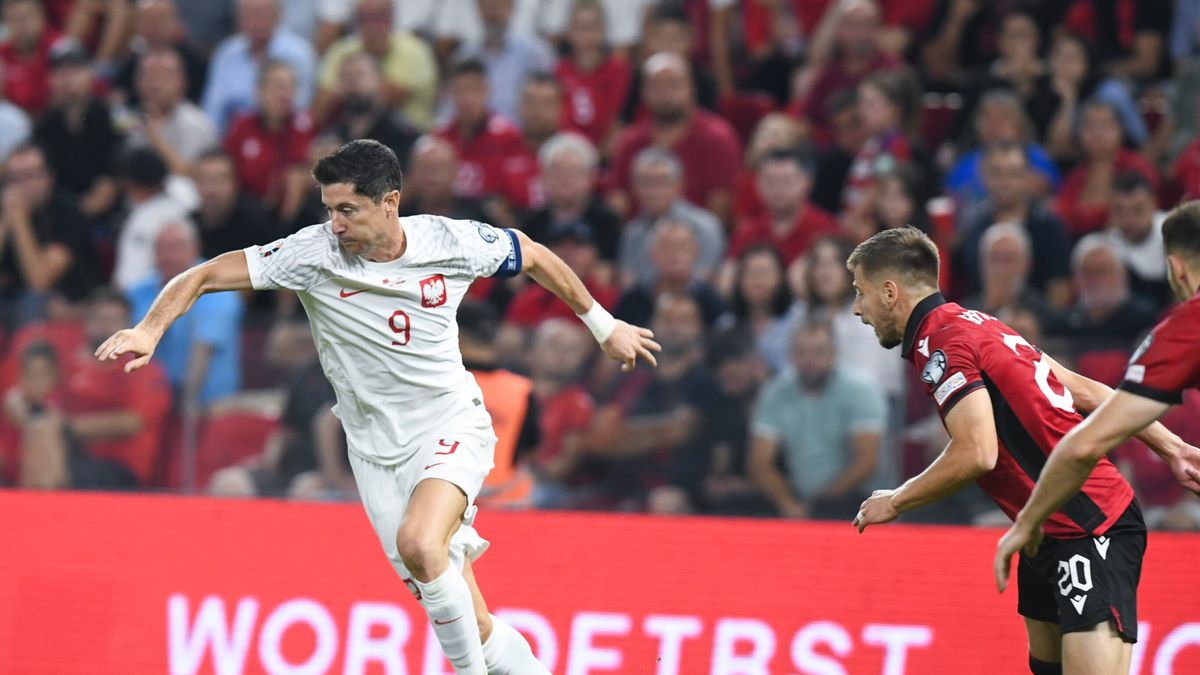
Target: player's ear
{"x":891,"y":292}
{"x":1176,"y":268}
{"x":391,"y":201}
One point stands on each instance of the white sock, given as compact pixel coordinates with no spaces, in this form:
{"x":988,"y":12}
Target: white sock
{"x":507,"y":653}
{"x":447,"y":601}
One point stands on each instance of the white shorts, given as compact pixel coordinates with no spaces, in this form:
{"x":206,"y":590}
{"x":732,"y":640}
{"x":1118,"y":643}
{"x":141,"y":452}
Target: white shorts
{"x":462,"y":457}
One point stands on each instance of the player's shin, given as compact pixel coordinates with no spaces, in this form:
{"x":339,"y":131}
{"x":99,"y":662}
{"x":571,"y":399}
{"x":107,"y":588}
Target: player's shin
{"x":447,"y":601}
{"x":507,"y":653}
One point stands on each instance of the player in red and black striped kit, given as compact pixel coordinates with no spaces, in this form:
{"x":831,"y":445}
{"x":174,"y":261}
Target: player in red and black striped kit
{"x":1006,"y":405}
{"x":1166,"y":363}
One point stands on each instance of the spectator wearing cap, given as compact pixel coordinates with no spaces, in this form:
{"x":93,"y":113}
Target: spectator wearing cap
{"x":673,"y":252}
{"x":235,"y":68}
{"x":575,"y":243}
{"x":45,"y":243}
{"x":706,"y":145}
{"x":77,"y":131}
{"x":510,"y":54}
{"x":789,"y":221}
{"x":365,"y":111}
{"x":15,"y":126}
{"x":228,"y":218}
{"x":568,"y":164}
{"x":173,"y":126}
{"x":200,"y":352}
{"x":658,"y":180}
{"x":429,"y":185}
{"x":408,"y":69}
{"x":1007,"y":177}
{"x":269,"y":145}
{"x":158,"y":28}
{"x":25,"y":52}
{"x":1135,"y":226}
{"x":482,"y":138}
{"x":151,"y":209}
{"x":521,"y":187}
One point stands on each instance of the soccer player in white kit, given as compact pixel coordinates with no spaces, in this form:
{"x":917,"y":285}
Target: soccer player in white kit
{"x":381,"y":293}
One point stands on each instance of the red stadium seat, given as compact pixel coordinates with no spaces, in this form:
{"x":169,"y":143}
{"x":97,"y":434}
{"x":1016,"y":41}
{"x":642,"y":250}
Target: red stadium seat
{"x":744,"y":110}
{"x":225,"y":439}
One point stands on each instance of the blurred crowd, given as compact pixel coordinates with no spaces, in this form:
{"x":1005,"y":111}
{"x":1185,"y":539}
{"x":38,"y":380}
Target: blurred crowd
{"x":704,"y":165}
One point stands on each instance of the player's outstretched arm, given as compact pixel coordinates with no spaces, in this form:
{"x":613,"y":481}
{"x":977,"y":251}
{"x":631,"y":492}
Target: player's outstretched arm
{"x":972,"y":452}
{"x":620,"y":341}
{"x":1089,"y":395}
{"x":227,"y":272}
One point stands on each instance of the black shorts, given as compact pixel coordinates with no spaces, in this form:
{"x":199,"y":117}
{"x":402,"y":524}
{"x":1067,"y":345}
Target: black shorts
{"x":1079,"y":583}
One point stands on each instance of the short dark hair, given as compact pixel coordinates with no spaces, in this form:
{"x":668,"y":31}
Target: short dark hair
{"x":1181,"y":231}
{"x":214,"y":152}
{"x":478,"y":322}
{"x":144,"y":168}
{"x":670,"y":12}
{"x":370,"y":166}
{"x":468,"y":67}
{"x":39,"y":350}
{"x":905,"y":252}
{"x":542,"y":77}
{"x":790,"y":155}
{"x":109,"y":294}
{"x":781,"y":298}
{"x":1128,"y":182}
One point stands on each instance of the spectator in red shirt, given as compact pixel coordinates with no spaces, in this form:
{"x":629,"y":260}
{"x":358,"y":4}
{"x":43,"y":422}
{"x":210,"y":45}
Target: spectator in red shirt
{"x":540,"y":110}
{"x":595,"y":80}
{"x":1086,"y":192}
{"x":706,"y":145}
{"x":429,"y":184}
{"x":107,"y":432}
{"x":270,"y":145}
{"x":575,"y":243}
{"x":561,"y":348}
{"x":887,"y":105}
{"x":776,"y":131}
{"x":482,"y":138}
{"x":26,"y":54}
{"x":789,"y":223}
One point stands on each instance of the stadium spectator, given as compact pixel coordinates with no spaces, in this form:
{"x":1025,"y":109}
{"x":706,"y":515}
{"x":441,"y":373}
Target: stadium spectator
{"x":1005,"y":260}
{"x":1106,"y":315}
{"x":15,"y":125}
{"x":559,"y":351}
{"x":1184,"y":40}
{"x":789,"y":221}
{"x":568,"y":163}
{"x":1130,"y":40}
{"x":655,"y":429}
{"x":706,"y":144}
{"x":540,"y":116}
{"x":207,"y":23}
{"x":835,"y":159}
{"x":234,"y":72}
{"x":668,"y":30}
{"x":364,"y":108}
{"x":177,"y":129}
{"x":158,"y":28}
{"x":25,"y":52}
{"x":1006,"y":174}
{"x":1186,"y":169}
{"x":27,"y":404}
{"x":887,"y":103}
{"x":481,"y":137}
{"x":1135,"y":226}
{"x":776,"y":131}
{"x":673,"y":253}
{"x":825,"y":422}
{"x":228,"y":218}
{"x":152,"y":208}
{"x":269,"y":145}
{"x":576,"y":244}
{"x":201,"y":352}
{"x":595,"y":79}
{"x":999,"y":118}
{"x":511,"y":55}
{"x":407,"y":65}
{"x":902,"y":201}
{"x":429,"y":185}
{"x":1018,"y":63}
{"x":759,"y":302}
{"x":77,"y":132}
{"x":961,"y":39}
{"x":45,"y":247}
{"x":658,"y":183}
{"x":1074,"y":79}
{"x":1084,"y":197}
{"x":855,"y":55}
{"x":107,"y":431}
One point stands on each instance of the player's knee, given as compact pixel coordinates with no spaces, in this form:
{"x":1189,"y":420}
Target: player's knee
{"x":423,"y":552}
{"x":1043,"y":668}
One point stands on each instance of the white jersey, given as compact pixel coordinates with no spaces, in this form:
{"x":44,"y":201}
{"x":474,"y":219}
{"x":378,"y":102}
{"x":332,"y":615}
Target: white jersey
{"x":386,"y":333}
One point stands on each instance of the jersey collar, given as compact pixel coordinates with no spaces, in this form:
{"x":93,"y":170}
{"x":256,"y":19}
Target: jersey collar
{"x":918,"y":315}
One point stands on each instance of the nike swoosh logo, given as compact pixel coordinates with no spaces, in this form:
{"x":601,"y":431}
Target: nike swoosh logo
{"x":429,"y":466}
{"x":446,"y":623}
{"x":345,"y":293}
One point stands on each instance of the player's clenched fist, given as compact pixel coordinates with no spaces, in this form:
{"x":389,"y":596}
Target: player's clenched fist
{"x":628,"y":343}
{"x":135,"y":341}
